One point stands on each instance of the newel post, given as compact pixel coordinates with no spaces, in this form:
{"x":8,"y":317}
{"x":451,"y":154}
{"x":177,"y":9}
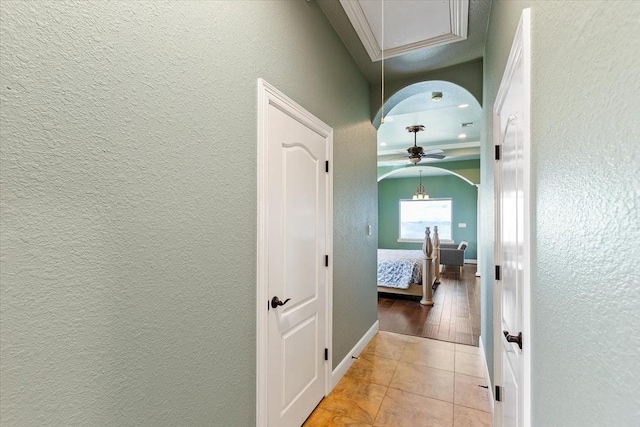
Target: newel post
{"x":436,"y":253}
{"x":427,"y":269}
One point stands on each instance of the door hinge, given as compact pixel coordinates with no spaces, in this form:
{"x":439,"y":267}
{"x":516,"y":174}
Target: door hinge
{"x":326,"y":166}
{"x":497,"y":152}
{"x":498,"y":273}
{"x":326,"y":354}
{"x":498,"y":393}
{"x":326,"y":260}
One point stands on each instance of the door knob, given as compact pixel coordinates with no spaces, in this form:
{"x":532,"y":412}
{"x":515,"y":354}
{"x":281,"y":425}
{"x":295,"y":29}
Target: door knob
{"x":275,"y":302}
{"x":514,"y":338}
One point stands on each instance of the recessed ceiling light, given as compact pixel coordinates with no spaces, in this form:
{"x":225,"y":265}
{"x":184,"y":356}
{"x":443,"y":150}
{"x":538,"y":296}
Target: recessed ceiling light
{"x":462,"y":135}
{"x":436,"y":96}
{"x":463,"y":105}
{"x":383,"y":144}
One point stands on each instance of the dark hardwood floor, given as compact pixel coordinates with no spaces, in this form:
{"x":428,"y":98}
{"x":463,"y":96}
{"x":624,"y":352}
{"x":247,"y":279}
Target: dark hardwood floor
{"x":455,"y":316}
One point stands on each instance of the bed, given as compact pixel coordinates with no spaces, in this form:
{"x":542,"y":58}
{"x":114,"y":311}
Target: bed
{"x":399,"y":268}
{"x":400,"y":271}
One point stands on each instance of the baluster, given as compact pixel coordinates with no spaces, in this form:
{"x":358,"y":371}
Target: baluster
{"x":427,"y":269}
{"x":436,"y":250}
{"x":427,"y":246}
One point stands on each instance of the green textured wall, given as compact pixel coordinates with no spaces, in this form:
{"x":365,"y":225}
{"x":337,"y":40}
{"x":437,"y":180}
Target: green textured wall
{"x":585,"y":291}
{"x":128,"y":174}
{"x":464,"y":209}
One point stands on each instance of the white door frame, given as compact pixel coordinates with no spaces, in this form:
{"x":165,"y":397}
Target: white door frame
{"x":520,"y":51}
{"x":269,"y":95}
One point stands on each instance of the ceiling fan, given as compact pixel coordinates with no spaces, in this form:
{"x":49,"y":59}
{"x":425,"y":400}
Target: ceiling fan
{"x":417,"y":153}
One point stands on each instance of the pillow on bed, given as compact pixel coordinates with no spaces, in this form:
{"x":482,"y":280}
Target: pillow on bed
{"x":463,"y":245}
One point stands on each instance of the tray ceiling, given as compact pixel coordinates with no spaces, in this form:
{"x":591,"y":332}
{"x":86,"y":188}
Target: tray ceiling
{"x":452,"y":124}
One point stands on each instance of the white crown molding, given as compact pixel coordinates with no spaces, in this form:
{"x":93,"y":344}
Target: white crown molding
{"x":459,"y":18}
{"x":363,"y":29}
{"x":459,"y":13}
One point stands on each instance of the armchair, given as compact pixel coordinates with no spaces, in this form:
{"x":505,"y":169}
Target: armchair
{"x":451,"y":254}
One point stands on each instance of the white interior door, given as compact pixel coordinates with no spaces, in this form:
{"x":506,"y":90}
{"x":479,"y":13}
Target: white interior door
{"x":297,"y":230}
{"x":513,"y":240}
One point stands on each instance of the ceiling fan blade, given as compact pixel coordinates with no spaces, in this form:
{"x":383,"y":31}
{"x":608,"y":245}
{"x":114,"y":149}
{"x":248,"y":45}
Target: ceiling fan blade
{"x":431,"y":154}
{"x":400,"y":162}
{"x":433,"y":151}
{"x":391,"y":157}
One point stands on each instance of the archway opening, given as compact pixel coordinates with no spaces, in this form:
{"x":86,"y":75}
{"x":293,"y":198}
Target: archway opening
{"x":449,"y":168}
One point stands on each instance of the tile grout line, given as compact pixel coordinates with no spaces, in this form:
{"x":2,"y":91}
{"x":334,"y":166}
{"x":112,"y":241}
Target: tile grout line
{"x":439,"y":400}
{"x":404,"y":345}
{"x":421,"y":395}
{"x":389,"y":385}
{"x":386,"y":390}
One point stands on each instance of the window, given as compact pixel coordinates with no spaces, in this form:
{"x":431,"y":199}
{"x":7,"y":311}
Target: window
{"x":415,"y":215}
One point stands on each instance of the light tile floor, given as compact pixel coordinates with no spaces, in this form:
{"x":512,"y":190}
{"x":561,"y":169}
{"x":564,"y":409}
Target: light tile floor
{"x":406,"y":381}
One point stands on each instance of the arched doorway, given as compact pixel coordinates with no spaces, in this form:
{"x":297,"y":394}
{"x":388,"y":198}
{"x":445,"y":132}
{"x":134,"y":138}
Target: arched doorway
{"x":452,"y":119}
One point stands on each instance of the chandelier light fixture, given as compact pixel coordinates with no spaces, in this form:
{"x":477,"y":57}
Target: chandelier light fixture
{"x":420,"y":193}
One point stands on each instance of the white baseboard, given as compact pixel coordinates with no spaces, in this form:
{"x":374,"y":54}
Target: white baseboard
{"x":486,"y":374}
{"x":348,"y":360}
{"x":470,"y":261}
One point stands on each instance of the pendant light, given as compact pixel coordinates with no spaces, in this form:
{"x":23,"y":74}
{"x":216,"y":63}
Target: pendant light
{"x":420,"y":193}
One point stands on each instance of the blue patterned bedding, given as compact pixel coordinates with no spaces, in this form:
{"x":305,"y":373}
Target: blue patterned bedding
{"x":398,"y":268}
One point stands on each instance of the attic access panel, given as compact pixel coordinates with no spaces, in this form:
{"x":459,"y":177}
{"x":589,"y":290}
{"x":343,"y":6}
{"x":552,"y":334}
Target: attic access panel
{"x":409,"y":24}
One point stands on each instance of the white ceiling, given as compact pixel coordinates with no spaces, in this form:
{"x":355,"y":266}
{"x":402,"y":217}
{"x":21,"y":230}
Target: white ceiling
{"x":443,"y":125}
